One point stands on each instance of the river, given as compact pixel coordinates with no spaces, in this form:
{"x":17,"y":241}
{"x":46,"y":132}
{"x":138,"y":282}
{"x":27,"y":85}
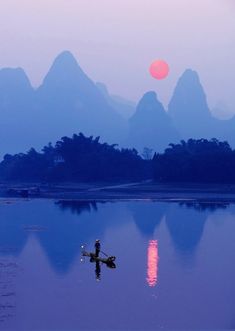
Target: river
{"x":174,"y":265}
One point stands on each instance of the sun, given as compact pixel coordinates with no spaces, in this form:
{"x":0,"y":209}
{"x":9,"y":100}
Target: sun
{"x":159,"y":69}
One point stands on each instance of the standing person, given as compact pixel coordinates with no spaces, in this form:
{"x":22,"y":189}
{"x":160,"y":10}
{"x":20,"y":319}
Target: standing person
{"x":97,"y":247}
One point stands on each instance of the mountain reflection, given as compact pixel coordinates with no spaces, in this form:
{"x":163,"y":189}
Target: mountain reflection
{"x":62,"y":227}
{"x":186,"y":228}
{"x":60,"y":236}
{"x":152,"y":267}
{"x":185,"y":222}
{"x":148,"y":216}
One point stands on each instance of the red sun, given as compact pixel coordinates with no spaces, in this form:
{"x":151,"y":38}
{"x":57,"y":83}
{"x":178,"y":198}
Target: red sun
{"x":159,"y":69}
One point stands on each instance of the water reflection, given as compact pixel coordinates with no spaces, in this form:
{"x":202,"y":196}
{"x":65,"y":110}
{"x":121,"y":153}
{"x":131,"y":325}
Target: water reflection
{"x":8,"y":273}
{"x":98,"y":260}
{"x":152,"y":267}
{"x":98,"y":264}
{"x":62,"y":234}
{"x":205,"y":206}
{"x":77,"y":207}
{"x":148,"y":216}
{"x":186,"y":228}
{"x":79,"y":223}
{"x":97,"y":270}
{"x":135,"y":232}
{"x":186,"y":224}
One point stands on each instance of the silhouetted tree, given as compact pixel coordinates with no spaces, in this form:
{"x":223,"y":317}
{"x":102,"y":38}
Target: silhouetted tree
{"x":195,"y":161}
{"x":78,"y":158}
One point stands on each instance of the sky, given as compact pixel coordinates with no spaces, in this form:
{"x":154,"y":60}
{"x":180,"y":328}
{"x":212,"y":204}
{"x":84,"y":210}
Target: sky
{"x":115,"y":41}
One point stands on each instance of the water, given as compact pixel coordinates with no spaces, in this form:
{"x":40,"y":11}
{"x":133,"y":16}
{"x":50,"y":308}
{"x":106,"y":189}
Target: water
{"x":175,"y":266}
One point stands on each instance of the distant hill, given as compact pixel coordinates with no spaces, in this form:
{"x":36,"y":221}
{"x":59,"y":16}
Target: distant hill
{"x":151,"y":126}
{"x":70,"y":95}
{"x":221,"y":110}
{"x":124,"y":107}
{"x":191,"y":115}
{"x":66,"y":102}
{"x":188,"y":107}
{"x":16,"y":110}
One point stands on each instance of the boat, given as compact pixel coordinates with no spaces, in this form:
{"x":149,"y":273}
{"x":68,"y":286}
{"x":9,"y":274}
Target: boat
{"x":109,"y":261}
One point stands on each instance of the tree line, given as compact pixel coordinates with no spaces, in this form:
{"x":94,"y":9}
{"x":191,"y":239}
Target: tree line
{"x":202,"y":160}
{"x":86,"y":159}
{"x":79,"y":158}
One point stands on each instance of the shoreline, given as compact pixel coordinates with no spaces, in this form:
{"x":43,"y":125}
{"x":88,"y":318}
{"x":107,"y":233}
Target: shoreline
{"x":142,"y":191}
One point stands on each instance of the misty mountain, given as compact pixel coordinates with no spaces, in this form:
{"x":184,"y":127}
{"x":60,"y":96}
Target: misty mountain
{"x":15,"y":88}
{"x":188,"y":117}
{"x":188,"y":107}
{"x":77,"y":103}
{"x":151,"y":126}
{"x":123,"y":106}
{"x":221,"y":110}
{"x":67,"y":102}
{"x":16,"y":110}
{"x":191,"y":115}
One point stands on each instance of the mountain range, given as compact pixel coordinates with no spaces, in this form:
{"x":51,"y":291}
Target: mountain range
{"x":68,"y":102}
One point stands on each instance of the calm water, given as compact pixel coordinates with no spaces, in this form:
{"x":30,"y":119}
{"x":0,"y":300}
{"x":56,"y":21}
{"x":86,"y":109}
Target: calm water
{"x":175,"y":266}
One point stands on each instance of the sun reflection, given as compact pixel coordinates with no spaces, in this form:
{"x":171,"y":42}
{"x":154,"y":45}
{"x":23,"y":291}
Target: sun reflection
{"x":152,"y":263}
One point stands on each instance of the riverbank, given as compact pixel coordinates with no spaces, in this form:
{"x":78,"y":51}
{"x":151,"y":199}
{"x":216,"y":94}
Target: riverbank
{"x":146,"y":190}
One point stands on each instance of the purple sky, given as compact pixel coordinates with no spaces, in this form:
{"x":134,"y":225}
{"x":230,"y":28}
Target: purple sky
{"x":116,"y":40}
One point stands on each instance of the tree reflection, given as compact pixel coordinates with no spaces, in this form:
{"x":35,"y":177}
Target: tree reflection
{"x":61,"y":236}
{"x":77,"y":206}
{"x":205,"y":205}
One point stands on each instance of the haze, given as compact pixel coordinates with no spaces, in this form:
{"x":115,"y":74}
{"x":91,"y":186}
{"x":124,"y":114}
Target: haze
{"x":116,"y":40}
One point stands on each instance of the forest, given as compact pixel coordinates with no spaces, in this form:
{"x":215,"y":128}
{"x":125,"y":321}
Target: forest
{"x":202,"y":161}
{"x":78,"y":158}
{"x":86,"y":159}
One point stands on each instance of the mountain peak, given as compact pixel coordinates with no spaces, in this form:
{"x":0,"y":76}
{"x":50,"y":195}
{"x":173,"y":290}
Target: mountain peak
{"x":64,"y":71}
{"x":188,"y":106}
{"x":191,"y":77}
{"x":150,"y":96}
{"x":150,"y":102}
{"x":189,"y":96}
{"x":14,"y":77}
{"x":190,"y":72}
{"x":151,"y":126}
{"x":65,"y":62}
{"x":65,"y":58}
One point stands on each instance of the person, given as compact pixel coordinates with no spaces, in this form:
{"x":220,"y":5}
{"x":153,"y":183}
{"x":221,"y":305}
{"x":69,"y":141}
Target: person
{"x":97,"y":247}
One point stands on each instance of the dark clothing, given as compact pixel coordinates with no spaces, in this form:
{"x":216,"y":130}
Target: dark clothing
{"x":97,"y":249}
